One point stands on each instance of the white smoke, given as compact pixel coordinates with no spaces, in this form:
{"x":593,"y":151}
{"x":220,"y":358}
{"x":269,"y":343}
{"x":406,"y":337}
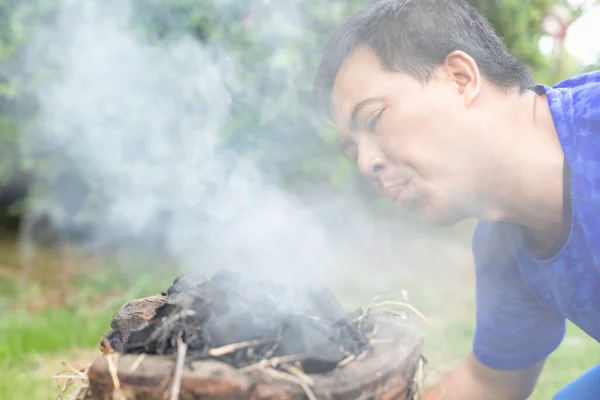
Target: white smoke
{"x":139,"y":123}
{"x":129,"y":136}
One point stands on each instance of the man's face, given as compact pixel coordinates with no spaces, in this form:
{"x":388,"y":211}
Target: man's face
{"x":411,"y":140}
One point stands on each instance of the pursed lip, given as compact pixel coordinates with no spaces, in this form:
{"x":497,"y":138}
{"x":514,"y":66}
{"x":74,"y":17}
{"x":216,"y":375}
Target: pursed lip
{"x":395,"y":192}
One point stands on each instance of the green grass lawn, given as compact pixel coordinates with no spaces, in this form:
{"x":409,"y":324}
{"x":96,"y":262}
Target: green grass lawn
{"x":46,"y":321}
{"x":37,"y":331}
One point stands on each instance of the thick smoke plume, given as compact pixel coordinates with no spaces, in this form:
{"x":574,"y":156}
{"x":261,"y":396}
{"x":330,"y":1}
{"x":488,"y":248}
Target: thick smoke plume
{"x":136,"y":125}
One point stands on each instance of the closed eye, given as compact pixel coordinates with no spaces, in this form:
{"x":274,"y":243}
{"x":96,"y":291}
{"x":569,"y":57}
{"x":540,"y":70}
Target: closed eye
{"x":373,"y":120}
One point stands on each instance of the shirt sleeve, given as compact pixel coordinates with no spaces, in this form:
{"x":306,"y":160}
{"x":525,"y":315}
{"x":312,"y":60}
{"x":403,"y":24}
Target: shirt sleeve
{"x":514,"y":328}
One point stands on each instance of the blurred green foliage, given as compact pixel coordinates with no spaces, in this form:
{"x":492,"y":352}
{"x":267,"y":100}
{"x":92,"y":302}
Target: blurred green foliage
{"x":518,"y":22}
{"x":270,"y":112}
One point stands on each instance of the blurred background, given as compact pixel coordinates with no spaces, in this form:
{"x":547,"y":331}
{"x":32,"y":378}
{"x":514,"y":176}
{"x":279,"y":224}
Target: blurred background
{"x":142,"y":139}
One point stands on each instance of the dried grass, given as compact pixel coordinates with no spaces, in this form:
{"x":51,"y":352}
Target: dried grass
{"x":176,"y":385}
{"x":75,"y":375}
{"x":112,"y":360}
{"x":106,"y":347}
{"x":297,"y":372}
{"x":230,"y":348}
{"x":137,"y":363}
{"x":403,"y":309}
{"x":273,"y":362}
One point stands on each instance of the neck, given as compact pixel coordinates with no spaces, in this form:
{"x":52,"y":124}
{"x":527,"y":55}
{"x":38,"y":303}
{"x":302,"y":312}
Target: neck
{"x":528,"y":185}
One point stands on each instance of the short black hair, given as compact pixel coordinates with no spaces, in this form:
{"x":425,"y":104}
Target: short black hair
{"x":416,"y":36}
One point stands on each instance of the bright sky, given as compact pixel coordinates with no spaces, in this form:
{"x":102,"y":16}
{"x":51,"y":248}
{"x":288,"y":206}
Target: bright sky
{"x":583,"y":37}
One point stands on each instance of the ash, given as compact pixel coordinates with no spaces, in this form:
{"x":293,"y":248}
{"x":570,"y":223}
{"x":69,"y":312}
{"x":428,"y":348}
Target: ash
{"x":260,"y":321}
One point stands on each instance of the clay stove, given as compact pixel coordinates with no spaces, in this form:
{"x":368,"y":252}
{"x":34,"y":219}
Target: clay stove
{"x":226,"y":345}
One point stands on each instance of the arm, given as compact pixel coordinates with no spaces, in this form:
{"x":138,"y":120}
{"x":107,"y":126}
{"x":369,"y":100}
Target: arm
{"x":473,"y":380}
{"x":514,"y":331}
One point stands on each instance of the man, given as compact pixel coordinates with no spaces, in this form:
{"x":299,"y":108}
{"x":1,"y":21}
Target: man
{"x":445,"y":122}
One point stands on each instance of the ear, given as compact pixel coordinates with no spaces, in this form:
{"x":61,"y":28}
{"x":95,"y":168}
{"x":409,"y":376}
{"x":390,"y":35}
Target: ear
{"x":463,"y":71}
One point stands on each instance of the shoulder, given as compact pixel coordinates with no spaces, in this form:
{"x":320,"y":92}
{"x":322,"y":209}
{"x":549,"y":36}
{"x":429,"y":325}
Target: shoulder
{"x":584,"y":93}
{"x":575,"y":101}
{"x":575,"y":107}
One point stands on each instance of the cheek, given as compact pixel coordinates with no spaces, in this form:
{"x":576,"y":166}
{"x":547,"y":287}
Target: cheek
{"x":414,"y":141}
{"x":422,"y":132}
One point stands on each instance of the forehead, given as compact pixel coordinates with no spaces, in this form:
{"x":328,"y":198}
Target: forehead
{"x":360,"y":76}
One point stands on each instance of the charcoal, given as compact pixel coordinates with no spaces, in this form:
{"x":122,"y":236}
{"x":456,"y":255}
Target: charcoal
{"x":115,"y":338}
{"x":318,"y":341}
{"x":185,"y":282}
{"x":239,"y":327}
{"x":140,"y":340}
{"x":229,"y":309}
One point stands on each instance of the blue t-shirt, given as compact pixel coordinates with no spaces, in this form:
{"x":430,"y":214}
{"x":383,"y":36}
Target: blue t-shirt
{"x":525,"y":295}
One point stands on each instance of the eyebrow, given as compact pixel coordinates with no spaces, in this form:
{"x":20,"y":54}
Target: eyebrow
{"x":353,"y":123}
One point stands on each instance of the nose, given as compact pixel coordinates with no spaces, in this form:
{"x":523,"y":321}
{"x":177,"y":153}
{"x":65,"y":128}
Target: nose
{"x":370,"y":162}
